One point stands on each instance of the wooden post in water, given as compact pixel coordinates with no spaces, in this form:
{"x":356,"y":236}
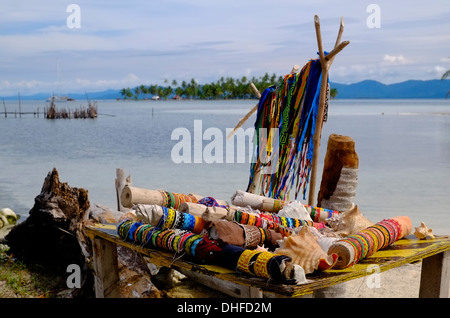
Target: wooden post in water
{"x":4,"y":106}
{"x":325,"y":62}
{"x":20,"y":107}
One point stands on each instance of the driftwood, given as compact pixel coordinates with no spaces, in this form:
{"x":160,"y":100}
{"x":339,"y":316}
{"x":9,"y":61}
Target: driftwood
{"x":52,"y":234}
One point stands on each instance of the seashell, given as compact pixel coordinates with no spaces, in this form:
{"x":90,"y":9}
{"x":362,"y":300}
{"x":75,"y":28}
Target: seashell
{"x":295,"y":210}
{"x":324,"y":241}
{"x":349,"y":222}
{"x":423,"y":231}
{"x":305,"y":251}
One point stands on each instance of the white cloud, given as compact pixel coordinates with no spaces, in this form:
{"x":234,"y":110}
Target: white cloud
{"x":395,"y":59}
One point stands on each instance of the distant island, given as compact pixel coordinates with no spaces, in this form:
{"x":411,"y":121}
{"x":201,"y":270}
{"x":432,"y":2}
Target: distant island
{"x":229,"y":88}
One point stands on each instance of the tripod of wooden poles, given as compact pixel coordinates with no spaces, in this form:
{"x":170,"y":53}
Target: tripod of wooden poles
{"x":325,"y":62}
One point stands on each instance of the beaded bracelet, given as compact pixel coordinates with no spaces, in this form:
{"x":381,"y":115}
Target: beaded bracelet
{"x":170,"y":219}
{"x":165,"y":199}
{"x":261,"y":264}
{"x":199,"y":225}
{"x":243,"y":263}
{"x":194,"y":245}
{"x":384,"y":232}
{"x":182,"y":241}
{"x":251,"y":219}
{"x":263,"y":236}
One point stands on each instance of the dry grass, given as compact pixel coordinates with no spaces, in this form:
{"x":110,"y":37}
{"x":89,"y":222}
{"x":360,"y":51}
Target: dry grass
{"x":19,"y":280}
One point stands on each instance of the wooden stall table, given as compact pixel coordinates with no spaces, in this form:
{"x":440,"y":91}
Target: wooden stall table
{"x":434,"y":254}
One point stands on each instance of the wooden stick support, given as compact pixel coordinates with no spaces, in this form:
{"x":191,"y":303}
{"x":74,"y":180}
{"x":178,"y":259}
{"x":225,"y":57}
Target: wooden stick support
{"x":325,"y":62}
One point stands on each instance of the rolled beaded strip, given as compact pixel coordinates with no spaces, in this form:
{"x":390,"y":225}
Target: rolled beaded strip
{"x":255,"y":262}
{"x":252,"y":262}
{"x":167,"y":239}
{"x":172,"y":219}
{"x":273,"y":221}
{"x":262,"y":263}
{"x":374,"y":238}
{"x":244,"y":263}
{"x":174,"y":200}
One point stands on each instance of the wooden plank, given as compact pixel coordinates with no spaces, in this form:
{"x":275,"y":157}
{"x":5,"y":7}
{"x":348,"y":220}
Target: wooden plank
{"x":435,"y":276}
{"x":106,"y":268}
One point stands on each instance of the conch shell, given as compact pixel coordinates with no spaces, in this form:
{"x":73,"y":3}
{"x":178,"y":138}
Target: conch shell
{"x":423,"y":231}
{"x":349,"y":222}
{"x":295,"y":210}
{"x":305,"y":251}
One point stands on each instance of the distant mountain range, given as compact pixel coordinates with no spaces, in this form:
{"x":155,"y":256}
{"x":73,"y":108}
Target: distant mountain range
{"x":407,"y":89}
{"x":363,"y":89}
{"x":107,"y":94}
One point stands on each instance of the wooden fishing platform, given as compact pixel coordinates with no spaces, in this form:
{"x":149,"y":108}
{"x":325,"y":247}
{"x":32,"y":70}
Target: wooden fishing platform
{"x":434,"y":254}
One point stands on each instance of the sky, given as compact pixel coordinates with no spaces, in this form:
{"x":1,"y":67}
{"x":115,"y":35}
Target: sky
{"x":50,"y":46}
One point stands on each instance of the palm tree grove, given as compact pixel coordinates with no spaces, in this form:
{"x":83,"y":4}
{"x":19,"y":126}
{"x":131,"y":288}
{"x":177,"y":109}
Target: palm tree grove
{"x":224,"y":88}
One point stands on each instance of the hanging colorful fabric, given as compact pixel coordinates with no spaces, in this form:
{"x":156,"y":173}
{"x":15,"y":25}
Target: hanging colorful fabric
{"x":291,"y":109}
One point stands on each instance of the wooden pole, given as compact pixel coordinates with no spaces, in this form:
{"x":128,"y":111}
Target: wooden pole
{"x":20,"y":107}
{"x":4,"y":106}
{"x":325,"y":62}
{"x":247,"y":116}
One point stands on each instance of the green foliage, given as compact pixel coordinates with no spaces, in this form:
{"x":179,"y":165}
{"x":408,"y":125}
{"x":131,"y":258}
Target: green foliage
{"x":333,"y":93}
{"x":224,"y":88}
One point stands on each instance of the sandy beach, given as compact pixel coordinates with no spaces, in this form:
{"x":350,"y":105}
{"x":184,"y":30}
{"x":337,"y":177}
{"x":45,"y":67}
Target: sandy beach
{"x":401,"y":282}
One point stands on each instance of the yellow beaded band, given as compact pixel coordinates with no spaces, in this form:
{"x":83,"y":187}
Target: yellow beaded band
{"x":243,"y":263}
{"x":261,"y":265}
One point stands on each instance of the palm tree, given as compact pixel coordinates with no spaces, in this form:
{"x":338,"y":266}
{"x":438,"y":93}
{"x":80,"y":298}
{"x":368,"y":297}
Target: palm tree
{"x":123,"y":92}
{"x":445,"y":75}
{"x":153,"y":89}
{"x":137,"y":92}
{"x":126,"y":93}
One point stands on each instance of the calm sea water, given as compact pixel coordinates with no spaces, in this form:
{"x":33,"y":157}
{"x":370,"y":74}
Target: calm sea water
{"x":403,"y":148}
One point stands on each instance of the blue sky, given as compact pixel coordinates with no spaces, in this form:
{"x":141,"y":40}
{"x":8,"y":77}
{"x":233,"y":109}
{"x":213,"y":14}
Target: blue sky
{"x":127,"y":43}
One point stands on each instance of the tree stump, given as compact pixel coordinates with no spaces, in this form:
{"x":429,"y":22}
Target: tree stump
{"x":340,"y":174}
{"x":52,"y":234}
